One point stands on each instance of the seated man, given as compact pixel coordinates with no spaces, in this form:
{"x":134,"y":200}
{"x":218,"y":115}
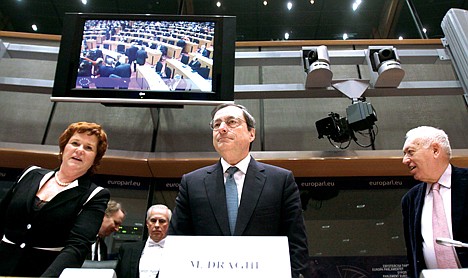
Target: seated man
{"x":122,"y":73}
{"x":195,"y":64}
{"x":143,"y":259}
{"x":113,"y":218}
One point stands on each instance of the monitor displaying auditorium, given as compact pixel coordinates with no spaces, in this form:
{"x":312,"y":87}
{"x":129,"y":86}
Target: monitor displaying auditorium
{"x":146,"y":59}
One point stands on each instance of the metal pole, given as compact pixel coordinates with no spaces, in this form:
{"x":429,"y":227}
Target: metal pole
{"x":417,"y":21}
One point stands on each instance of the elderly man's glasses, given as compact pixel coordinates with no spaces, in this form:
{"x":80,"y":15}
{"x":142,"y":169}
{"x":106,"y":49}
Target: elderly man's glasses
{"x":231,"y":123}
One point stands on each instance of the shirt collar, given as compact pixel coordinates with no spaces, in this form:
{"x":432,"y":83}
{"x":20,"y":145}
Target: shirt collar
{"x":152,"y":243}
{"x":444,"y":180}
{"x":242,"y":165}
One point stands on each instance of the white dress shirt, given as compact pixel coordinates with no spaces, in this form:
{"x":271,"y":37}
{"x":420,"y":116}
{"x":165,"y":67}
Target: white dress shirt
{"x":426,"y":217}
{"x":239,"y":176}
{"x":151,"y":257}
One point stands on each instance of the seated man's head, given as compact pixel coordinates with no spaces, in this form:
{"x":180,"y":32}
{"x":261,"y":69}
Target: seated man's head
{"x":157,"y":221}
{"x":113,"y":218}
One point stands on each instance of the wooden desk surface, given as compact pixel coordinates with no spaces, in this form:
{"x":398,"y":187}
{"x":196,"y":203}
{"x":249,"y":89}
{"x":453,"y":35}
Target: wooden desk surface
{"x":365,"y":163}
{"x":198,"y":81}
{"x":148,"y":79}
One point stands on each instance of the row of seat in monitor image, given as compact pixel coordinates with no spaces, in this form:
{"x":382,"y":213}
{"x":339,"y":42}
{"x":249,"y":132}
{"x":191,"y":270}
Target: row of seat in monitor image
{"x":144,"y":64}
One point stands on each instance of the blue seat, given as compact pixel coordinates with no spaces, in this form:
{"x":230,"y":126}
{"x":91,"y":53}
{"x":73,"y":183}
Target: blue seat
{"x":168,"y":72}
{"x":121,"y":48}
{"x":163,"y":50}
{"x":184,"y":59}
{"x":159,"y":67}
{"x":204,"y":72}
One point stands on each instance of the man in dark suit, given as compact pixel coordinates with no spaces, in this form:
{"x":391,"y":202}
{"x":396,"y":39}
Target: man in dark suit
{"x":141,"y":56}
{"x":194,"y":64}
{"x":427,"y":154}
{"x":203,"y":51}
{"x":131,"y":53}
{"x":268,"y":202}
{"x":142,"y":259}
{"x":113,"y":218}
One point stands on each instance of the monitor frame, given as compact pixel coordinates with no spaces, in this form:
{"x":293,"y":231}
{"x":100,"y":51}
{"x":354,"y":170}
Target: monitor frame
{"x":222,"y":76}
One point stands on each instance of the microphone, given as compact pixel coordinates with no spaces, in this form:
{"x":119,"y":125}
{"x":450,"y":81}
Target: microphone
{"x":450,"y":242}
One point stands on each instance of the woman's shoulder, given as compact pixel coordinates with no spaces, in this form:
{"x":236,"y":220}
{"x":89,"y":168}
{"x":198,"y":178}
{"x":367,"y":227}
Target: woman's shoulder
{"x":32,"y":169}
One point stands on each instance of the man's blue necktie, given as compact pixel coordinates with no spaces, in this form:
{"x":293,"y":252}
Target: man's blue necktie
{"x":231,"y":197}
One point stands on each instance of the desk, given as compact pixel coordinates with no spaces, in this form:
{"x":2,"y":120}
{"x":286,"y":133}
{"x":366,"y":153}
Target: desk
{"x":210,"y":49}
{"x":168,"y":39}
{"x":113,"y":54}
{"x":137,"y":35}
{"x":205,"y":42}
{"x":173,"y":51}
{"x":113,"y":44}
{"x":153,"y":55}
{"x":99,"y":38}
{"x":91,"y":43}
{"x":148,"y":79}
{"x":194,"y":79}
{"x":190,"y":47}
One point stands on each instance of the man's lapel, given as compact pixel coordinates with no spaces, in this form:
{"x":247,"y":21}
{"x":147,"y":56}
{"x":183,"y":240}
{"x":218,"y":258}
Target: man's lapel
{"x":251,"y":191}
{"x":458,"y":191}
{"x":216,"y":193}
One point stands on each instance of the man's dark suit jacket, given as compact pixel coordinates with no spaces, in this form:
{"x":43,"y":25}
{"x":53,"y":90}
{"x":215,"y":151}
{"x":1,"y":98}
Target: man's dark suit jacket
{"x":412,"y":204}
{"x":131,"y":53}
{"x":270,"y":206}
{"x":129,"y":259}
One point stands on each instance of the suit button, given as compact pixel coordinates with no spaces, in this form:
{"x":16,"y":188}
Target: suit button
{"x":28,"y":226}
{"x":22,"y":245}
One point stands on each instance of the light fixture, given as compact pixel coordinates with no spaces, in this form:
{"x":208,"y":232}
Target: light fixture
{"x":317,"y":66}
{"x":384,"y":66}
{"x":356,"y":4}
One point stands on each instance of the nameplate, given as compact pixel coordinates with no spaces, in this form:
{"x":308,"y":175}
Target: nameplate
{"x":88,"y":273}
{"x":444,"y":273}
{"x":225,"y":256}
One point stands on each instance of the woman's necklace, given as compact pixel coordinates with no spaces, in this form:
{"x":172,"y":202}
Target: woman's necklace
{"x":59,"y":182}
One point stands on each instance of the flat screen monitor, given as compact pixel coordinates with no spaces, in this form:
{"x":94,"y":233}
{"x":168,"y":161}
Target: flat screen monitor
{"x":146,"y":60}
